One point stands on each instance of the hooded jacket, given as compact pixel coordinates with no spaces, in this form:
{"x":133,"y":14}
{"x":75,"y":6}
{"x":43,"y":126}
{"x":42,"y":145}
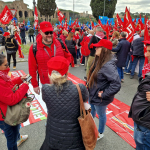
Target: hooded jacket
{"x":108,"y":81}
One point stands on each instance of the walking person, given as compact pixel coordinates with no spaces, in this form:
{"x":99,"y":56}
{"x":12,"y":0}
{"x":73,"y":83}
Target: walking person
{"x":11,"y":46}
{"x":103,"y":82}
{"x":22,"y":33}
{"x":63,"y":131}
{"x":9,"y":98}
{"x":70,"y":42}
{"x":31,"y":34}
{"x":122,"y":50}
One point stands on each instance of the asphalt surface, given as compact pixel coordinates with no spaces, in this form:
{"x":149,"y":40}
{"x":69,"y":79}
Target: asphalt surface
{"x":111,"y":140}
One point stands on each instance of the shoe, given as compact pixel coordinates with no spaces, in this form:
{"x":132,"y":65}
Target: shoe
{"x":22,"y":139}
{"x":128,"y":73}
{"x":122,"y":80}
{"x":81,"y":64}
{"x":100,"y":136}
{"x":131,"y":77}
{"x":76,"y":65}
{"x":85,"y":78}
{"x":14,"y":68}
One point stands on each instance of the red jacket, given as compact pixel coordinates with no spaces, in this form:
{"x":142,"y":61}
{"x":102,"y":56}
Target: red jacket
{"x":8,"y":97}
{"x":42,"y":57}
{"x":63,"y":37}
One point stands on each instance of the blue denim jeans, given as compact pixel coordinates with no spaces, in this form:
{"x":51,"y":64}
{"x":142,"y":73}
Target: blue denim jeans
{"x":12,"y":135}
{"x":120,"y":72}
{"x":101,"y":111}
{"x":141,"y":137}
{"x":78,"y":54}
{"x":127,"y":62}
{"x":141,"y":64}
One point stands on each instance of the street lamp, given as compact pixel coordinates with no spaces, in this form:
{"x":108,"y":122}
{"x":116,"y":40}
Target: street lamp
{"x":73,"y":9}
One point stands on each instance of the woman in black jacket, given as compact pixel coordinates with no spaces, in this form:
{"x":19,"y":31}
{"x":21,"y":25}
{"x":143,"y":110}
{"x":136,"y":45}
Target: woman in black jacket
{"x":103,"y":82}
{"x":63,"y":131}
{"x":71,"y":43}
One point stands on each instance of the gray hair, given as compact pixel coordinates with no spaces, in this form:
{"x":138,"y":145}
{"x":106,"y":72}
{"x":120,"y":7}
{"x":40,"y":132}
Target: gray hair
{"x":142,"y":33}
{"x":99,"y":29}
{"x":123,"y":34}
{"x":55,"y":29}
{"x":2,"y":57}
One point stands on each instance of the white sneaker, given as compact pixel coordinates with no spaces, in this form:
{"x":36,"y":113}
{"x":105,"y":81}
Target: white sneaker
{"x":22,"y":139}
{"x":100,"y":136}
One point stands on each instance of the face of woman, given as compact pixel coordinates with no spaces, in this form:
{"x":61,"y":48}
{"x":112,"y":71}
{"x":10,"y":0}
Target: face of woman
{"x":4,"y":66}
{"x":98,"y":51}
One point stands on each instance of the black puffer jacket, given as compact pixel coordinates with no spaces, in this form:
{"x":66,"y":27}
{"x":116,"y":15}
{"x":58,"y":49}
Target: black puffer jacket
{"x":138,"y":47}
{"x":108,"y":81}
{"x":63,"y":130}
{"x":71,"y":45}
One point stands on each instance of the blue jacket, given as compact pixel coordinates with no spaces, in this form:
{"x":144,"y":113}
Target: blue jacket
{"x":108,"y":81}
{"x":22,"y":31}
{"x":138,"y":47}
{"x":122,"y":50}
{"x":2,"y":30}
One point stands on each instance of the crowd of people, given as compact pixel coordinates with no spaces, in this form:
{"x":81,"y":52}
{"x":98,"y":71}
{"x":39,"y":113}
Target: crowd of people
{"x":55,"y":50}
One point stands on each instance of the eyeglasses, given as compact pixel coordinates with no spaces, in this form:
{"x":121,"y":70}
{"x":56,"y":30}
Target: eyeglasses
{"x":6,"y":65}
{"x":48,"y":32}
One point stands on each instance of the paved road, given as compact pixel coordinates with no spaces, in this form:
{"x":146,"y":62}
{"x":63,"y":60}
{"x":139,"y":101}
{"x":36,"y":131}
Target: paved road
{"x":111,"y":140}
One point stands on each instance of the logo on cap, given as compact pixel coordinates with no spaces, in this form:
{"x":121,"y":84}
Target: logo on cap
{"x":46,"y":25}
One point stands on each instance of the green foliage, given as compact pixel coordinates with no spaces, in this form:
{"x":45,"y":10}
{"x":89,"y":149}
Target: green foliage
{"x":25,"y":48}
{"x":54,"y":21}
{"x":86,"y":19}
{"x":97,"y":7}
{"x":46,"y":7}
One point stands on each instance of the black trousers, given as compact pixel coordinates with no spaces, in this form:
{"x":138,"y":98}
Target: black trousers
{"x":32,"y":38}
{"x":45,"y":146}
{"x":9,"y":59}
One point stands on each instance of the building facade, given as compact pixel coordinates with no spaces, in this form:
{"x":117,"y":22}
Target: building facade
{"x":24,"y":12}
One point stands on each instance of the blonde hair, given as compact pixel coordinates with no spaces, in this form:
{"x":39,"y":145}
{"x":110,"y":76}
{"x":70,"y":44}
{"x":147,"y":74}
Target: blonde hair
{"x":116,"y":34}
{"x":77,"y":32}
{"x":57,"y":78}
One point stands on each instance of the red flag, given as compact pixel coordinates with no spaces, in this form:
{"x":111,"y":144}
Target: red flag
{"x":6,"y":16}
{"x":119,"y":21}
{"x":100,"y":24}
{"x":20,"y":53}
{"x":24,"y":22}
{"x":35,"y":18}
{"x":92,"y":24}
{"x":128,"y":26}
{"x":107,"y":30}
{"x":65,"y":25}
{"x":140,"y":23}
{"x":60,"y":15}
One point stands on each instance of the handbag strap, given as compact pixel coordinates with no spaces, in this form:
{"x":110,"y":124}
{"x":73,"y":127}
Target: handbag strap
{"x":14,"y":88}
{"x":82,"y":109}
{"x":2,"y":114}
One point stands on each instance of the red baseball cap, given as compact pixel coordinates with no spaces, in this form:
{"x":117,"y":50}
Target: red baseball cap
{"x":103,"y":43}
{"x":46,"y":26}
{"x":6,"y":34}
{"x":146,"y":42}
{"x":59,"y":64}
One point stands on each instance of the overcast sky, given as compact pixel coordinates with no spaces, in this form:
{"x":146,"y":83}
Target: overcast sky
{"x":84,"y":5}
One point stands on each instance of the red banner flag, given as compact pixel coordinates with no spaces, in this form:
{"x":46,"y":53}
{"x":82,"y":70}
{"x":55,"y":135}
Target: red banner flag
{"x":60,"y":15}
{"x":128,"y":26}
{"x":6,"y":16}
{"x":107,"y":30}
{"x":119,"y":21}
{"x":140,"y":23}
{"x":146,"y":38}
{"x":20,"y":53}
{"x":35,"y":18}
{"x":100,"y":24}
{"x":65,"y":25}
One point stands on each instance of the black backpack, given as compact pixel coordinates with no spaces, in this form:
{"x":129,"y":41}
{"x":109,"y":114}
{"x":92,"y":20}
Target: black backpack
{"x":2,"y":40}
{"x":140,"y":107}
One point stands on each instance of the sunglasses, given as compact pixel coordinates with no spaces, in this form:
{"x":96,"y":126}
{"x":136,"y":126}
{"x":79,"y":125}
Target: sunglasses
{"x":48,"y":32}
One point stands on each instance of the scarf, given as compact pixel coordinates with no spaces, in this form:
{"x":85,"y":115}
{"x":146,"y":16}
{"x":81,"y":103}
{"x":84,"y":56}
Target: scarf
{"x":100,"y":35}
{"x":4,"y":75}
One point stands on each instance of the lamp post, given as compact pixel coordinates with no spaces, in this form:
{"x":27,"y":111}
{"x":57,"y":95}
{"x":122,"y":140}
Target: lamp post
{"x":104,"y":8}
{"x":34,"y":4}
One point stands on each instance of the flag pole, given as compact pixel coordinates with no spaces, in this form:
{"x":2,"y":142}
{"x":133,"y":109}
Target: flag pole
{"x":73,"y":9}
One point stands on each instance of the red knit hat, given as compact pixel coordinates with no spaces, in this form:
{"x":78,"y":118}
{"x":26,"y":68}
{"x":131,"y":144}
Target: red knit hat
{"x":58,"y":63}
{"x":103,"y":43}
{"x":6,"y":34}
{"x":46,"y":26}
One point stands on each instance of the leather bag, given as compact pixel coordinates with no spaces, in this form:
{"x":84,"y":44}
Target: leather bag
{"x":18,"y":113}
{"x":88,"y":127}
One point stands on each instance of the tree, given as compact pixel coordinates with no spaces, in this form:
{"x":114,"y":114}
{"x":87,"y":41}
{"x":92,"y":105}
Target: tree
{"x":97,"y":7}
{"x":46,"y":7}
